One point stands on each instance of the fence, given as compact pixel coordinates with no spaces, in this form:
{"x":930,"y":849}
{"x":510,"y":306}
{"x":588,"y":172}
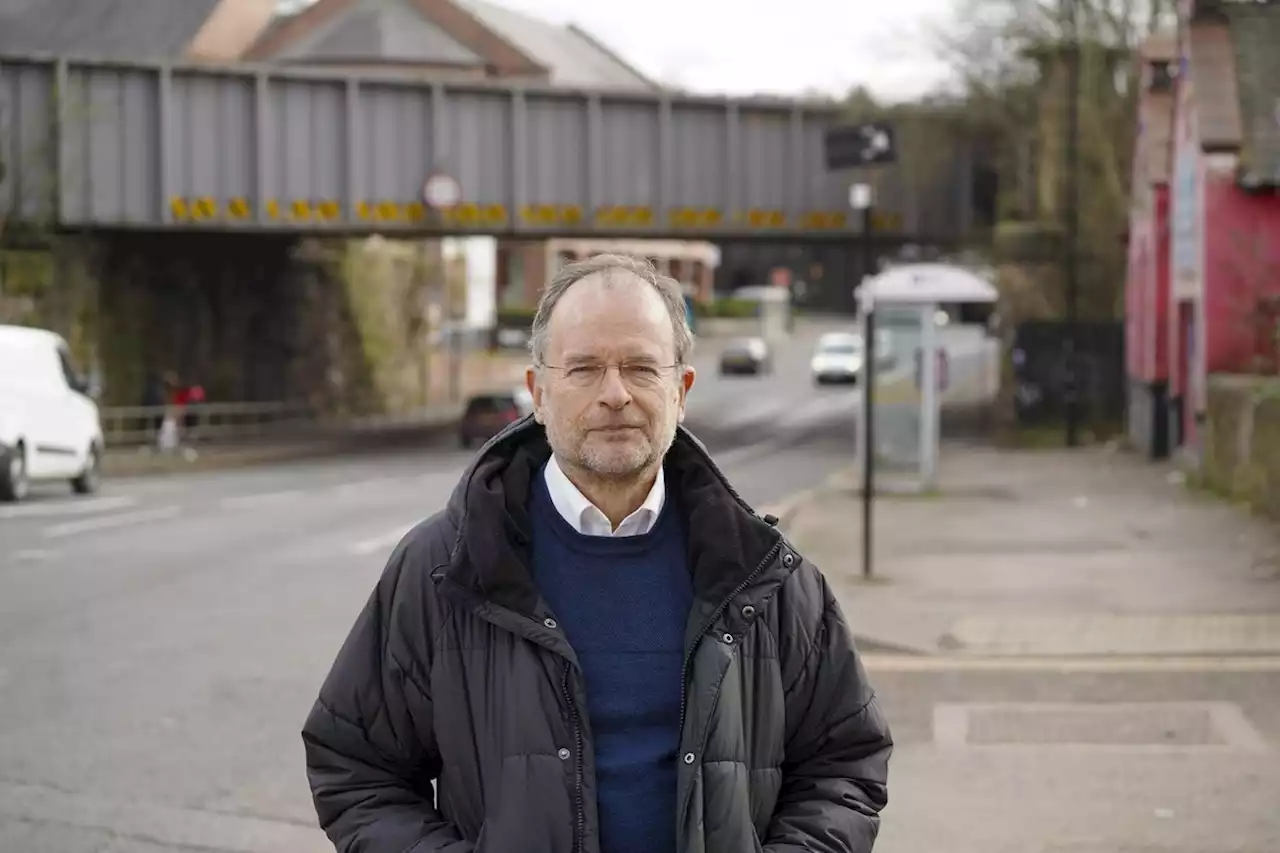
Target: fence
{"x":206,"y":422}
{"x":1041,"y":371}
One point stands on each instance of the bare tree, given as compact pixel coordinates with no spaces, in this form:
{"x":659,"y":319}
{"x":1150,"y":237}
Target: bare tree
{"x":1009,"y":60}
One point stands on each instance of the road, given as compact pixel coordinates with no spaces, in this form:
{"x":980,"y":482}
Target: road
{"x":161,"y":643}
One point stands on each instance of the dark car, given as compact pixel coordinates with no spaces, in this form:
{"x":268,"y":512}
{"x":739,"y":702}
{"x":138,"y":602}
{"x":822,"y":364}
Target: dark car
{"x":487,"y":414}
{"x":749,"y":356}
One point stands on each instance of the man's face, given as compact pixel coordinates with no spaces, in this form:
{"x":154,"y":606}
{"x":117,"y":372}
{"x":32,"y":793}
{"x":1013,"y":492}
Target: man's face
{"x":610,"y":395}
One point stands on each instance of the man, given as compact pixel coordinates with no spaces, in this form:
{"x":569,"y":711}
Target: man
{"x":598,"y":647}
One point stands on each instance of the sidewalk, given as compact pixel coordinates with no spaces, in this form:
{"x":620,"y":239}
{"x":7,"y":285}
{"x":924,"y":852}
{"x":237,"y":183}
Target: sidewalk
{"x":1049,"y":553}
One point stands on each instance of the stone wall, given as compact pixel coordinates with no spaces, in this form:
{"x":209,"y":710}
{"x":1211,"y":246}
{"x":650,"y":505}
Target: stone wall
{"x":1242,"y":440}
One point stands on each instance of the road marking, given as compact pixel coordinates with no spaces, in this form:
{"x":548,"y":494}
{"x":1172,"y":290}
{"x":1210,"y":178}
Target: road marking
{"x":71,"y":506}
{"x":107,"y":522}
{"x":259,"y":499}
{"x":33,"y":555}
{"x":743,"y":454}
{"x":382,"y":542}
{"x":904,"y":663}
{"x":359,"y":487}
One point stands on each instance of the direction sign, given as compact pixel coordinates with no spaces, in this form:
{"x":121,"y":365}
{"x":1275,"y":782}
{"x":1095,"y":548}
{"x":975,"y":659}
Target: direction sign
{"x":441,"y":191}
{"x":849,"y":146}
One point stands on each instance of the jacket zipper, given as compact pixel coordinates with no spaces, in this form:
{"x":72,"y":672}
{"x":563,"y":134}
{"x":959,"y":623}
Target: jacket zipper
{"x":688,"y":655}
{"x":580,"y":812}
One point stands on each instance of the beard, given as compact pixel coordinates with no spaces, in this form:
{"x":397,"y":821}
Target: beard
{"x":611,"y":454}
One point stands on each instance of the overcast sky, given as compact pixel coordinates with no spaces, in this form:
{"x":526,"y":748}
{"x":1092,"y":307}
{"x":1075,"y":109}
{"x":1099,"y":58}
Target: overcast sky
{"x":748,"y":46}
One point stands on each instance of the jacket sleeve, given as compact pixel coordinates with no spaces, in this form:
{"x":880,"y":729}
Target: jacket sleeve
{"x":835,"y":769}
{"x":370,"y":749}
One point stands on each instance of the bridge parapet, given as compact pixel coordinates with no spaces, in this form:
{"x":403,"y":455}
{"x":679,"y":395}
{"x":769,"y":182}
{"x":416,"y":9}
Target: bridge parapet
{"x":111,"y":144}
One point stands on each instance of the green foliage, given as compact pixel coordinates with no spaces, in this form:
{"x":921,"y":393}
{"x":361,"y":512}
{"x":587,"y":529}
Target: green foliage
{"x":727,"y":308}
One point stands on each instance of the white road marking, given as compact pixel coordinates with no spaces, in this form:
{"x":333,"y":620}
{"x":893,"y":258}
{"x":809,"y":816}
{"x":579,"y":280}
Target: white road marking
{"x":33,"y":555}
{"x":382,"y":542}
{"x":107,"y":522}
{"x":71,"y":506}
{"x":259,"y":499}
{"x":743,"y":454}
{"x":359,"y":487}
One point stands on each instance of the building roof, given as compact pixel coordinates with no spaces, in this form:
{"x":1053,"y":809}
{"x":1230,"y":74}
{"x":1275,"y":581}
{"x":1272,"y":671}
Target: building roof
{"x":391,"y":30}
{"x":1255,"y":34}
{"x":160,"y":29}
{"x":1213,"y":81}
{"x":572,"y":56}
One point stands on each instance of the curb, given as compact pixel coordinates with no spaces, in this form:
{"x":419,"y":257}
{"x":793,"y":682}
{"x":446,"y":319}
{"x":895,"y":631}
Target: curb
{"x":787,"y":509}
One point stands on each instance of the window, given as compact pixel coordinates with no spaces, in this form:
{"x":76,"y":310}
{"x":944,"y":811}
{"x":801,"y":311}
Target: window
{"x":69,"y":371}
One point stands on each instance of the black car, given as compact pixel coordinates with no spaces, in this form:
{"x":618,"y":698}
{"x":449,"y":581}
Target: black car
{"x":750,"y":356}
{"x":487,"y":414}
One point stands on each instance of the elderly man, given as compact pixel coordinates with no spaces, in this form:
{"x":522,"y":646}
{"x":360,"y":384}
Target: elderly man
{"x":598,"y":647}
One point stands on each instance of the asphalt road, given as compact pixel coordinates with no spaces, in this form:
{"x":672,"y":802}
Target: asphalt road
{"x":161,"y":643}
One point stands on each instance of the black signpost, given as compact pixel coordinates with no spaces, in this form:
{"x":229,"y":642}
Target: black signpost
{"x":860,"y":146}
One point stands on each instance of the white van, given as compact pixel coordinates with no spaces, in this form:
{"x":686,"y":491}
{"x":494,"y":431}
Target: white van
{"x":49,"y":425}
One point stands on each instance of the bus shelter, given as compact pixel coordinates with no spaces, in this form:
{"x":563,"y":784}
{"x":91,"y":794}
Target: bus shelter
{"x":912,"y":361}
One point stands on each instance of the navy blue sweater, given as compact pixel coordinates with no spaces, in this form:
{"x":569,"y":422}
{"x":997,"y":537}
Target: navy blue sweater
{"x":623,"y":603}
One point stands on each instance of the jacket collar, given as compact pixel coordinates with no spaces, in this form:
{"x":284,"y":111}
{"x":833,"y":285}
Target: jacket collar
{"x":490,"y":556}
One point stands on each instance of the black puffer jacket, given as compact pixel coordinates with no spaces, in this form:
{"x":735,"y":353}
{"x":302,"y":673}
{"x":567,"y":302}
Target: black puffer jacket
{"x":456,"y":672}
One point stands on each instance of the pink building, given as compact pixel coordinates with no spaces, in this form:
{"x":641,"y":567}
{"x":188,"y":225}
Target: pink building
{"x":1223,"y":275}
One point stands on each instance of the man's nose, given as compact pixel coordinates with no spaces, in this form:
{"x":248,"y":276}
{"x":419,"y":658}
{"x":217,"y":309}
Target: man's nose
{"x":614,"y":392}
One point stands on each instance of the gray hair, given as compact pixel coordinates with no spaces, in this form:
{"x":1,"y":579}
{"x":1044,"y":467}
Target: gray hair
{"x":667,"y":288}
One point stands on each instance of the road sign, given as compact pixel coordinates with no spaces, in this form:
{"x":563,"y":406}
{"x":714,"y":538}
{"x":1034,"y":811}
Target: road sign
{"x":849,"y":146}
{"x":441,"y":191}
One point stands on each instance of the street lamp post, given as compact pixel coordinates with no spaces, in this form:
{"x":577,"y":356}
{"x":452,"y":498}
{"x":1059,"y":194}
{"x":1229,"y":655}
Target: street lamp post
{"x":863,"y":146}
{"x":860,"y":199}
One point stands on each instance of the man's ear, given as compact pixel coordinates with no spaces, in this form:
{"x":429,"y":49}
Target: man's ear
{"x":535,"y":391}
{"x":686,"y":384}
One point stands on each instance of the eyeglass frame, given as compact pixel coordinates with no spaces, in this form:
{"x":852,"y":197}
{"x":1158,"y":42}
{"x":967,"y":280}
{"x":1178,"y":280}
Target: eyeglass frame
{"x":564,"y":370}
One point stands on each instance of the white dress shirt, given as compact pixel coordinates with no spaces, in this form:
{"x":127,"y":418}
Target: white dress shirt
{"x":586,"y":518}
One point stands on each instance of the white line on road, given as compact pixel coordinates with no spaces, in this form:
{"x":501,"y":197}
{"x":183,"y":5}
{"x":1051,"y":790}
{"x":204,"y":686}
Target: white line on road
{"x":382,"y":542}
{"x":359,"y":487}
{"x":744,"y":454}
{"x":107,"y":522}
{"x":71,"y":506}
{"x":260,"y":499}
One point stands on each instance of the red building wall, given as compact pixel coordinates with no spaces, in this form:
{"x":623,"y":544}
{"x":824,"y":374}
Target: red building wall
{"x":1242,"y":269}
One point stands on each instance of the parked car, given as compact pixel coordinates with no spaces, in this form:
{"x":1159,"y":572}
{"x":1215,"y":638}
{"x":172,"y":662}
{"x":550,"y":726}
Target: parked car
{"x":487,"y":414}
{"x":837,"y":359}
{"x":49,"y":423}
{"x":746,"y":356}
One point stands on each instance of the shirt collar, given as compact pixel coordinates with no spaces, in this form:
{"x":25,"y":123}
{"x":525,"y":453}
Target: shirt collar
{"x":587,"y":518}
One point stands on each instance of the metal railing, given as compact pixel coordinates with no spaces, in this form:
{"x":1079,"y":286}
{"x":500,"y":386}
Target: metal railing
{"x":231,"y":423}
{"x":208,"y":422}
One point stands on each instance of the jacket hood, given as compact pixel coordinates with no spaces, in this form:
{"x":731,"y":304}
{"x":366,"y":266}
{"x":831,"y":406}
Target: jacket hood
{"x":728,"y":541}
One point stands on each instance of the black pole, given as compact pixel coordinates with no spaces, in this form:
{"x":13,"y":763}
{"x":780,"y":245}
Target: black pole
{"x":1072,"y":210}
{"x":868,"y":414}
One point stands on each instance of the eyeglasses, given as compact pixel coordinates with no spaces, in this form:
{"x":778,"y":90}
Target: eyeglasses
{"x":634,"y":374}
